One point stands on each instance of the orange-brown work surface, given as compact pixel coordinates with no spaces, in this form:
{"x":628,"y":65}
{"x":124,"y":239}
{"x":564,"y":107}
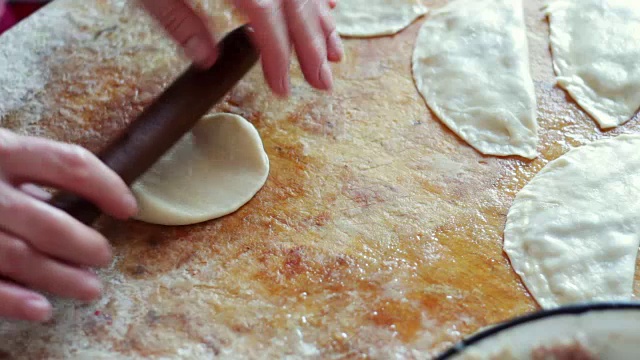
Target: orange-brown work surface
{"x":377,"y":235}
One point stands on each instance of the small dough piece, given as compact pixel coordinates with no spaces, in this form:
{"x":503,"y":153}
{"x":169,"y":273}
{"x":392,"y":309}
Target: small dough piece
{"x":471,"y":64}
{"x":211,"y":172}
{"x":367,"y":18}
{"x":572,"y":233}
{"x":596,"y":47}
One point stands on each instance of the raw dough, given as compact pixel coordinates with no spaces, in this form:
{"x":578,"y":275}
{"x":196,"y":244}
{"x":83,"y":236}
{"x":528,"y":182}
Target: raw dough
{"x":211,"y":172}
{"x":471,"y":65}
{"x":596,"y":52}
{"x":572,"y":233}
{"x":365,"y":18}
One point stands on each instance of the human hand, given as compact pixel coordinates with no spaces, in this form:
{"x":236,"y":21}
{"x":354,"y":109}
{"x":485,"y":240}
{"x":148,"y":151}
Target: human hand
{"x":279,"y":25}
{"x":42,"y":249}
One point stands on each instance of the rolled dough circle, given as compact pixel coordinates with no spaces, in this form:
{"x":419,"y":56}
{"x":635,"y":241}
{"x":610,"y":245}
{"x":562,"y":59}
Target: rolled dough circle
{"x":603,"y":79}
{"x":572,"y":233}
{"x":471,"y":65}
{"x":212,"y":171}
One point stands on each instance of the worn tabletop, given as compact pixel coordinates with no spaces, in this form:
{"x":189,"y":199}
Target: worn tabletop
{"x":378,"y":233}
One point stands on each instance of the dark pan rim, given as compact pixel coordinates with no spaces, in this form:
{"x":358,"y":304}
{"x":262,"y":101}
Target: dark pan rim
{"x":565,"y":310}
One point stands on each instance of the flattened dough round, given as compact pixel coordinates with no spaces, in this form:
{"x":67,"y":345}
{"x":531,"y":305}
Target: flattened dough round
{"x":211,"y":172}
{"x":572,"y":233}
{"x":471,"y":65}
{"x":596,"y":47}
{"x":367,"y":18}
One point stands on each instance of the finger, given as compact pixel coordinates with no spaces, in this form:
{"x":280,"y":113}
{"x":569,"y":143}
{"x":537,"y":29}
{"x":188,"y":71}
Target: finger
{"x":333,"y":3}
{"x":21,"y":263}
{"x":309,"y":42}
{"x":36,"y":192}
{"x":187,"y":27}
{"x":51,"y":231}
{"x":335,"y":49}
{"x":22,"y":304}
{"x":65,"y":166}
{"x":270,"y":35}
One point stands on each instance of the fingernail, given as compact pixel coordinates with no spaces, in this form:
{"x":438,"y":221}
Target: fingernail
{"x":39,"y":309}
{"x":199,"y":52}
{"x":36,"y":192}
{"x":335,"y":43}
{"x":95,"y":283}
{"x":325,"y":76}
{"x":132,"y":204}
{"x":106,"y":257}
{"x":93,"y":288}
{"x":285,"y":86}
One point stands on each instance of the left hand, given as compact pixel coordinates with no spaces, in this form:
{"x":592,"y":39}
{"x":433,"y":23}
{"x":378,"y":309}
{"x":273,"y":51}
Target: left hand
{"x":43,"y":249}
{"x":279,"y":25}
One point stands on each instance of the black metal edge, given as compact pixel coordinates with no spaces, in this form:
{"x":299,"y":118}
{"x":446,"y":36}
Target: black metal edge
{"x":579,"y":309}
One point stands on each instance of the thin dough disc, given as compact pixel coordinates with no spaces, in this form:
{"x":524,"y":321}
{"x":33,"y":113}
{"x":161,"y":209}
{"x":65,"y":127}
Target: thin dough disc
{"x":471,"y":64}
{"x":596,"y":47}
{"x":365,"y":18}
{"x":572,"y":233}
{"x":211,"y":172}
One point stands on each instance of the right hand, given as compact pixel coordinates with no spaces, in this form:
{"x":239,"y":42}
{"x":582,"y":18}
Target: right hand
{"x":305,"y":26}
{"x":42,"y":249}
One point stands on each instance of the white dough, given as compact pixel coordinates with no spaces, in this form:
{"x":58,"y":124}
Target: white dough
{"x":596,"y":55}
{"x":365,"y":18}
{"x":471,"y":65}
{"x":572,"y":233}
{"x":211,"y":172}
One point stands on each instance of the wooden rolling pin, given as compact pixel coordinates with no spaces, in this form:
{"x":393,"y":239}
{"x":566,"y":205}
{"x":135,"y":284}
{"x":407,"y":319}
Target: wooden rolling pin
{"x":168,"y":118}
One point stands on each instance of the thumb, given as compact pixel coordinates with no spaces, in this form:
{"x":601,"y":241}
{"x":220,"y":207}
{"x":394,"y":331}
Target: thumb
{"x":187,"y":27}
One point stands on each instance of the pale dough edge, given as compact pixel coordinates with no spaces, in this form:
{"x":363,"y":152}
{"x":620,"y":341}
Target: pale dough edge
{"x":528,"y":152}
{"x":569,"y":82}
{"x":353,"y":32}
{"x":513,"y":249}
{"x":179,"y":218}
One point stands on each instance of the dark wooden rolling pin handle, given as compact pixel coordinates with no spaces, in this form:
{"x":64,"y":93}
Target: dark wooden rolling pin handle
{"x":168,"y":118}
